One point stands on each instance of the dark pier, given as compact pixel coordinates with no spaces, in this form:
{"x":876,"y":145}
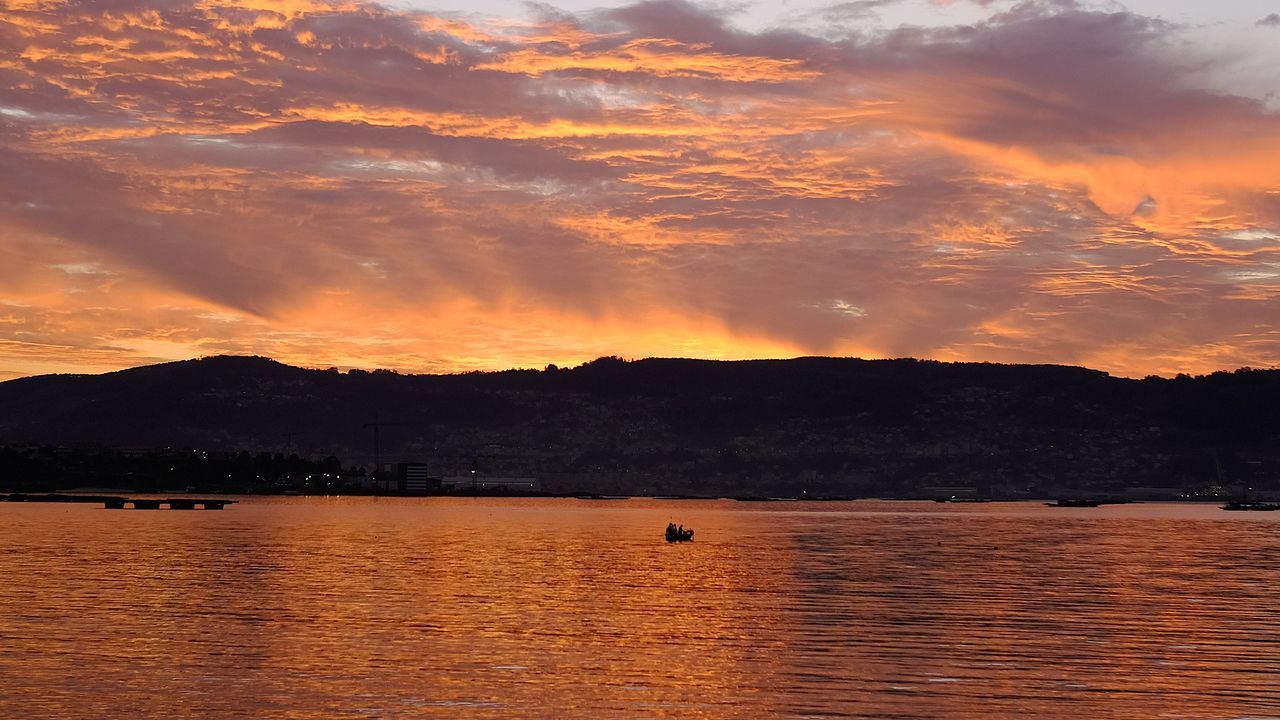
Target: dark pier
{"x":116,"y":502}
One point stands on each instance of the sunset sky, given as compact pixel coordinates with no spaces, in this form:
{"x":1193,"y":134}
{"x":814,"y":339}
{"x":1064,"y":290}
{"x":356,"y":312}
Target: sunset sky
{"x":477,"y":185}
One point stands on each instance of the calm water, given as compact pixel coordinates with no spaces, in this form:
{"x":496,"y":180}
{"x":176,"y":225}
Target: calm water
{"x":362,"y":608}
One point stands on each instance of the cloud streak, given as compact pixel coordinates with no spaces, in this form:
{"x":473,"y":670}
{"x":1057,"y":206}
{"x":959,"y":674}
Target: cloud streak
{"x":342,"y":183}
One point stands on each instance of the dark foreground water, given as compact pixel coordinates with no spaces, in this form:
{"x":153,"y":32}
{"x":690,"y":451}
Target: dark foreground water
{"x":361,"y":608}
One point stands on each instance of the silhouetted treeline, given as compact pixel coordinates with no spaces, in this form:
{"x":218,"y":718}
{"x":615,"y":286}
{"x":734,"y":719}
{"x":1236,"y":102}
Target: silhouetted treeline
{"x":811,"y":425}
{"x":42,"y":467}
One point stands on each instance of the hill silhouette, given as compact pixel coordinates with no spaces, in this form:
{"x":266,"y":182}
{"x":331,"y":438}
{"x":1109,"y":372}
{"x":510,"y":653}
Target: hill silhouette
{"x":820,"y":425}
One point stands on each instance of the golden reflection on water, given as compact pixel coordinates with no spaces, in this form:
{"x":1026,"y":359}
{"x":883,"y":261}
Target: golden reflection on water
{"x":358,"y":608}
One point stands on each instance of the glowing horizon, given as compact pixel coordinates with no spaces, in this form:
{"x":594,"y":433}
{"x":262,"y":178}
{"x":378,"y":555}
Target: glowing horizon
{"x":359,"y":185}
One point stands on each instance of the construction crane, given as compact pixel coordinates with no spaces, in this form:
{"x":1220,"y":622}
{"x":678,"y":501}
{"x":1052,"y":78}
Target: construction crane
{"x":288,"y":452}
{"x":377,"y":426}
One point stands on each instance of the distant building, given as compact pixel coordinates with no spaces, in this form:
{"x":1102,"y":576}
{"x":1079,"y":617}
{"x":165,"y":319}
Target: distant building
{"x":408,"y":478}
{"x":382,"y":479}
{"x":412,"y":478}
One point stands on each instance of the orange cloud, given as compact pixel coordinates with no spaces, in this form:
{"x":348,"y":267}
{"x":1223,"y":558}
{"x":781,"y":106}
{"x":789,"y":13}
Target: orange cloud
{"x":343,"y":183}
{"x":656,"y":56}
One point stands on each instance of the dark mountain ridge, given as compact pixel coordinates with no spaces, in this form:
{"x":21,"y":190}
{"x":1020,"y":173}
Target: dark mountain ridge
{"x":835,"y":425}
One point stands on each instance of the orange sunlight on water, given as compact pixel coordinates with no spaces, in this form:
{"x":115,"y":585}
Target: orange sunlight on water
{"x":344,"y":608}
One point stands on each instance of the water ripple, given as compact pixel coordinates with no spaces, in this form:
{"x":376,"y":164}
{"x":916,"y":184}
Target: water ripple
{"x":298,"y":609}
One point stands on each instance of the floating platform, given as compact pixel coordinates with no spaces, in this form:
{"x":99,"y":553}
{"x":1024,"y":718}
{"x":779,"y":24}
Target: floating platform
{"x":116,"y":502}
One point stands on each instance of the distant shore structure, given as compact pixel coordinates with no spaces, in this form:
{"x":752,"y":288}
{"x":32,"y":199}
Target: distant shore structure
{"x":113,"y":502}
{"x":491,"y":483}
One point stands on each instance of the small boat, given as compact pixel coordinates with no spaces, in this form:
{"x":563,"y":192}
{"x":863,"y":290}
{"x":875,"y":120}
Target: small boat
{"x":1240,"y":505}
{"x":675,"y":534}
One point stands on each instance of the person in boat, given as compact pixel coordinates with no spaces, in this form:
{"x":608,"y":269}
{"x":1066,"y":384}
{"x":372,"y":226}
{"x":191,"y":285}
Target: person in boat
{"x":678,"y":534}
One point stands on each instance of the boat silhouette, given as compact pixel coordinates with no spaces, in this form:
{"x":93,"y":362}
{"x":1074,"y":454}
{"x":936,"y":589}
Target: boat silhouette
{"x":678,"y":534}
